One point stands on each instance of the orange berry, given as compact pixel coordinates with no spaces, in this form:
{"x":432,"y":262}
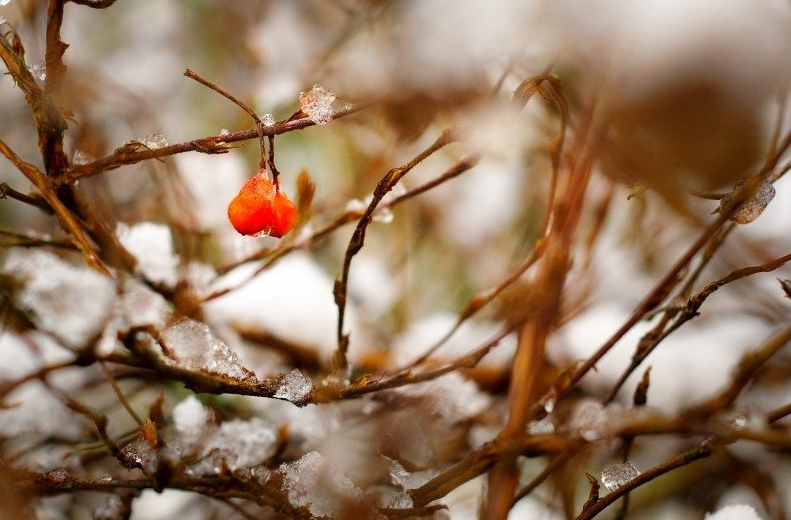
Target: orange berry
{"x":260,"y":208}
{"x":285,"y":215}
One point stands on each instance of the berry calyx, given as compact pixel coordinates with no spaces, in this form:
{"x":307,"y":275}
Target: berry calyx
{"x":261,"y":208}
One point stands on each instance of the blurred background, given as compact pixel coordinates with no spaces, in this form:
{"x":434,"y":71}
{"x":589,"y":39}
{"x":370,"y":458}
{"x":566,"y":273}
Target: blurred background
{"x":692,"y":95}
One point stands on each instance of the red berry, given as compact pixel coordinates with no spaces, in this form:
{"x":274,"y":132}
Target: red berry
{"x":260,"y":208}
{"x":285,"y":215}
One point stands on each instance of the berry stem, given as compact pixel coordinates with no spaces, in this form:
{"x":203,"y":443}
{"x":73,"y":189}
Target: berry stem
{"x":259,"y":125}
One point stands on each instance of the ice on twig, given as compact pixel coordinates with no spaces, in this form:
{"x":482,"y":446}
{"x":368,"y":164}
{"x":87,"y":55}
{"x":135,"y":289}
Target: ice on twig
{"x":154,"y":141}
{"x":383,"y":215}
{"x":268,"y":120}
{"x":81,"y":158}
{"x":734,"y":512}
{"x":225,"y":132}
{"x":751,"y":208}
{"x":317,"y":104}
{"x":141,"y":453}
{"x":619,"y":475}
{"x":400,"y":500}
{"x":294,"y":387}
{"x":542,"y":427}
{"x":311,"y":483}
{"x":39,"y":71}
{"x":191,"y":345}
{"x":401,"y":477}
{"x":72,"y":303}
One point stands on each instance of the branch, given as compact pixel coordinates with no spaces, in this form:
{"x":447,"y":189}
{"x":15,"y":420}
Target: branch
{"x":212,"y":145}
{"x":387,"y":182}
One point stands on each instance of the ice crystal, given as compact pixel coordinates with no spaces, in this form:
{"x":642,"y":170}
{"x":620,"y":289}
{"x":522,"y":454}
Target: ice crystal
{"x":154,"y":141}
{"x":38,"y":70}
{"x":72,"y":303}
{"x":294,"y":387}
{"x":225,"y":132}
{"x":401,"y":477}
{"x":141,"y":453}
{"x":268,"y":120}
{"x":618,"y":475}
{"x":752,"y":208}
{"x":191,"y":345}
{"x":542,"y":427}
{"x":317,"y":104}
{"x":400,"y":500}
{"x":81,"y":158}
{"x":549,"y":399}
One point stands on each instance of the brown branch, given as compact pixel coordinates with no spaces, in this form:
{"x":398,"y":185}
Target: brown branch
{"x":686,"y":458}
{"x":387,"y":183}
{"x":125,"y":155}
{"x":67,"y":220}
{"x":7,"y":191}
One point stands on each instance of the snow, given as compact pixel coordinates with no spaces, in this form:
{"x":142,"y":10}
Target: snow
{"x":34,"y":409}
{"x":239,"y":444}
{"x":191,"y":420}
{"x":152,"y":246}
{"x":292,"y":300}
{"x":734,"y":512}
{"x":313,"y":484}
{"x":72,"y":303}
{"x":141,"y":306}
{"x":213,"y":181}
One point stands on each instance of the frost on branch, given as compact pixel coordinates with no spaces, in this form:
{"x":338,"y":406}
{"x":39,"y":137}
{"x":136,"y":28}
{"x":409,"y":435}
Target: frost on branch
{"x":191,"y":345}
{"x":317,"y":104}
{"x":73,"y":304}
{"x":734,"y":512}
{"x":294,"y":387}
{"x":312,"y":484}
{"x":619,"y":475}
{"x":154,"y":141}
